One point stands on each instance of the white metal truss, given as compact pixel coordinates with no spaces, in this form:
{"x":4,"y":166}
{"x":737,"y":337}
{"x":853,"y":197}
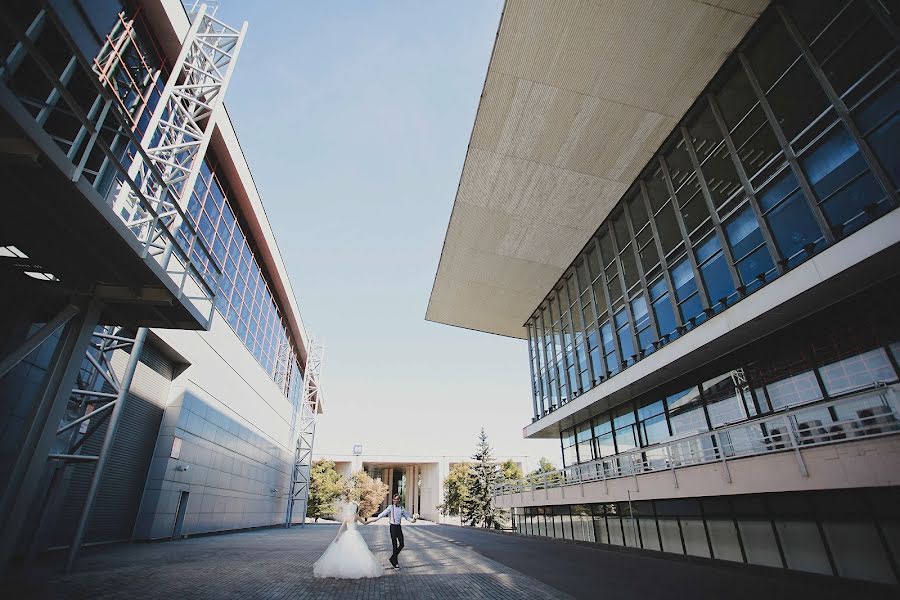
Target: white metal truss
{"x":284,"y":357}
{"x":304,"y":427}
{"x":179,"y":132}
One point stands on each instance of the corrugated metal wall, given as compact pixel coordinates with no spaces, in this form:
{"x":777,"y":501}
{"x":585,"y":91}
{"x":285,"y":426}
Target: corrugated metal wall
{"x":122,"y":485}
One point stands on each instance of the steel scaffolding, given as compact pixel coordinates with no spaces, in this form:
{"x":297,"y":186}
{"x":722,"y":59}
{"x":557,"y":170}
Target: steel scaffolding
{"x":303,"y":426}
{"x":85,"y":391}
{"x":179,"y":132}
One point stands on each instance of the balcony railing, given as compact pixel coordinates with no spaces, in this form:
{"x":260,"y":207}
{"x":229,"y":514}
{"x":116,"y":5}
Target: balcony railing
{"x":863,"y":415}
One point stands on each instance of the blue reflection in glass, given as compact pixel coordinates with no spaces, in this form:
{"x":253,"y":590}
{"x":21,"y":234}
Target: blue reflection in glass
{"x":841,"y":179}
{"x":880,"y":122}
{"x":717,"y":278}
{"x":791,"y":220}
{"x":665,"y":317}
{"x":683,"y":279}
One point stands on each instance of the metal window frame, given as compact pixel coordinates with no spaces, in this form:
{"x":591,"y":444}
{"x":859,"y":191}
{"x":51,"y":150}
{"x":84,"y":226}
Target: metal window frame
{"x":565,"y":288}
{"x":713,"y":213}
{"x":685,"y":238}
{"x":559,"y":374}
{"x":840,"y":108}
{"x":617,"y":259}
{"x":534,"y":385}
{"x":663,"y":262}
{"x":595,"y":239}
{"x":587,"y":346}
{"x":745,"y":183}
{"x":789,"y":155}
{"x":551,"y":405}
{"x":642,"y":276}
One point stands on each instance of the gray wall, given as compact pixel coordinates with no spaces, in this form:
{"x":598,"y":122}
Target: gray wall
{"x":122,"y":485}
{"x":232,"y":469}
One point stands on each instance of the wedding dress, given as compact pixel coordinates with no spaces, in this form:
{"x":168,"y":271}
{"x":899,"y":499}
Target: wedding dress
{"x":348,"y":556}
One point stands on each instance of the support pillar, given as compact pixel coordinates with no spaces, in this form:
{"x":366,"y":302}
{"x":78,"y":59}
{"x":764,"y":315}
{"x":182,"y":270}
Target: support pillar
{"x":27,"y":474}
{"x":122,"y":395}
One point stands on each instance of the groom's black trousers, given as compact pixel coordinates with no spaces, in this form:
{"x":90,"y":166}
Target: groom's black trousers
{"x":396,"y":541}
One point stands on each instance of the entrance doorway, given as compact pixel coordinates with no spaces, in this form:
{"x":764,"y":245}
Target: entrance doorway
{"x":179,"y":516}
{"x":399,"y":485}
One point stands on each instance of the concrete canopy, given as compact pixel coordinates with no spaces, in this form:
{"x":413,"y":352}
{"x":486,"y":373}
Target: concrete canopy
{"x":578,"y":96}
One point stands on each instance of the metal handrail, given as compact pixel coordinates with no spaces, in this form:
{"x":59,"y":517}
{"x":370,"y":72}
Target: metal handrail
{"x":782,"y":431}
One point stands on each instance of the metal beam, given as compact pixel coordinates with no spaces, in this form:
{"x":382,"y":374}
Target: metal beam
{"x":685,"y":237}
{"x":635,"y":344}
{"x":789,"y":155}
{"x":127,"y":377}
{"x":884,"y":181}
{"x":31,"y":462}
{"x":307,"y":412}
{"x":40,"y":336}
{"x":642,"y":276}
{"x":663,"y":263}
{"x":745,"y":184}
{"x":713,"y":213}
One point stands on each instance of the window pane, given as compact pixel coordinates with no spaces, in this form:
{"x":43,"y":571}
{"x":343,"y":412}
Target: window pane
{"x":723,"y":400}
{"x":715,"y":162}
{"x":652,"y":425}
{"x":665,"y":317}
{"x":798,"y":389}
{"x":748,"y":248}
{"x":686,"y":412}
{"x":879,"y":120}
{"x":604,"y":445}
{"x":736,"y":98}
{"x":667,"y":226}
{"x":772,"y":54}
{"x":857,"y":372}
{"x":623,"y":422}
{"x":792,"y":115}
{"x":716,"y":276}
{"x":683,"y":279}
{"x":842,"y":182}
{"x":791,"y":221}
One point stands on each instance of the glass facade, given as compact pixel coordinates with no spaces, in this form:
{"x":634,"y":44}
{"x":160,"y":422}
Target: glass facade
{"x":245,"y":298}
{"x":750,"y":184}
{"x":846,"y":349}
{"x":848,"y":533}
{"x":136,"y":72}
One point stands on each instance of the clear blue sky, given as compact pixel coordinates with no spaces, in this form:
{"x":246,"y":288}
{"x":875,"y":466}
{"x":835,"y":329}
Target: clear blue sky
{"x":355,"y":117}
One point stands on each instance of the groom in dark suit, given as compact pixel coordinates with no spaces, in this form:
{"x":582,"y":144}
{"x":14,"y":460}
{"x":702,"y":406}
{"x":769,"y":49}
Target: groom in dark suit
{"x":395,"y":513}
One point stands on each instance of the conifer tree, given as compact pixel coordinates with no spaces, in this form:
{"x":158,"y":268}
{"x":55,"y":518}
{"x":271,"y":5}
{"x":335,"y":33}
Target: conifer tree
{"x":484,"y":473}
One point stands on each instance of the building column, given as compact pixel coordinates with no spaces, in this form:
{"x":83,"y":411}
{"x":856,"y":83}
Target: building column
{"x":443,"y":470}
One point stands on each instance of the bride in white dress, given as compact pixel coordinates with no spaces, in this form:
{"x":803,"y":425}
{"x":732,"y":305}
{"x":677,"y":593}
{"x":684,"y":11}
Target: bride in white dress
{"x":348,"y":556}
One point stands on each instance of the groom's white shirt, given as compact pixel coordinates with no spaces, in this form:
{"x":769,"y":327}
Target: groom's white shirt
{"x":396,"y":513}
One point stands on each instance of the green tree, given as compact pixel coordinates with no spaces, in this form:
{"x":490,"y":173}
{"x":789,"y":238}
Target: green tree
{"x":325,"y":487}
{"x":510,"y":470}
{"x":544,"y":467}
{"x":456,"y":490}
{"x":484,"y":473}
{"x":366,"y":492}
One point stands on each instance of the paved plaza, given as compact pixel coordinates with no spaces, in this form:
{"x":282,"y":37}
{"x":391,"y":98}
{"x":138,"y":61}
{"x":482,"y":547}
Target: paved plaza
{"x":439,"y":562}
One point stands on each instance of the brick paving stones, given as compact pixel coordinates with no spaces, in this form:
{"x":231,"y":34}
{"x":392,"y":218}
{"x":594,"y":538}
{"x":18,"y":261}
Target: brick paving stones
{"x":276,"y":563}
{"x":439,"y":563}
